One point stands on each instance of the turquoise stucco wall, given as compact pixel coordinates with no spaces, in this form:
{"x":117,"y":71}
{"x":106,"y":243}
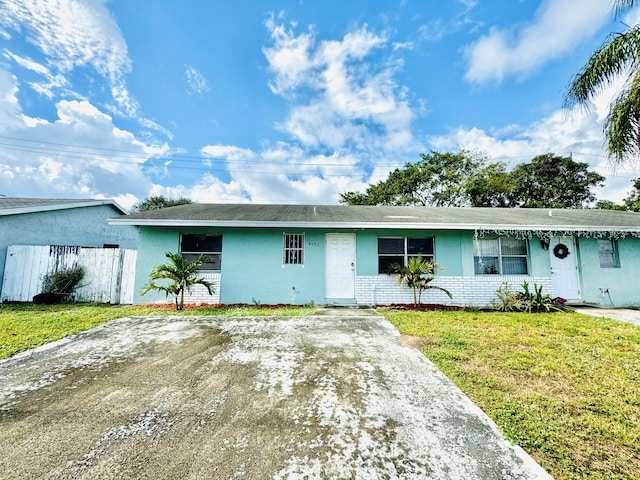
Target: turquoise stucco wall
{"x":252,"y":269}
{"x":622,"y":281}
{"x":152,"y":245}
{"x":82,"y":226}
{"x":539,"y":263}
{"x":251,"y":265}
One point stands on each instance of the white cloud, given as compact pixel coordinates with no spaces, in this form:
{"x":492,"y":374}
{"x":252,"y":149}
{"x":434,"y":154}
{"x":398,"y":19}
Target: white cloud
{"x":229,"y":152}
{"x":348,"y":116}
{"x":9,"y":106}
{"x":343,"y":97}
{"x":208,"y":189}
{"x":281,"y":173}
{"x":81,"y":153}
{"x":433,"y":31}
{"x":289,"y":57}
{"x":196,"y":81}
{"x":74,"y":34}
{"x":51,"y":81}
{"x":557,"y":28}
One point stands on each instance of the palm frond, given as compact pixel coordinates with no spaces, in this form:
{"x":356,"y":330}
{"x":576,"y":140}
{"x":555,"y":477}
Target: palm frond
{"x":620,"y":5}
{"x":436,"y":287}
{"x":619,"y":55}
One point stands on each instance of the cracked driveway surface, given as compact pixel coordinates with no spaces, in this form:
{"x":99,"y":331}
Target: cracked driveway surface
{"x":321,"y":397}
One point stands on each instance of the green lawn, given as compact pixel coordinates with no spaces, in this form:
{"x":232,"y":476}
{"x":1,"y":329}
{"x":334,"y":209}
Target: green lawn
{"x":27,"y":326}
{"x":564,"y":386}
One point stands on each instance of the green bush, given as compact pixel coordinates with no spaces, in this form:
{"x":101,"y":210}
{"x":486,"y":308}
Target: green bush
{"x":526,"y":300}
{"x":63,"y":281}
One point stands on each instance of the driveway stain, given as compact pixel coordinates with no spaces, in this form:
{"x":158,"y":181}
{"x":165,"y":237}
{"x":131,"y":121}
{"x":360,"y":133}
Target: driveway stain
{"x":323,"y":397}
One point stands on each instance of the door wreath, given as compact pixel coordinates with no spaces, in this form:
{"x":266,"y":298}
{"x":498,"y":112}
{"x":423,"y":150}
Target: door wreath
{"x":561,"y":251}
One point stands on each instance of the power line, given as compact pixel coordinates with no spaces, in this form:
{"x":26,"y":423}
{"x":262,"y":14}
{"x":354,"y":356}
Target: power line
{"x":194,"y":162}
{"x":112,"y":152}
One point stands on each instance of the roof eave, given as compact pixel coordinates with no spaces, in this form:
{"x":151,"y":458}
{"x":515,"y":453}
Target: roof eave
{"x":61,"y":206}
{"x":363,"y":225}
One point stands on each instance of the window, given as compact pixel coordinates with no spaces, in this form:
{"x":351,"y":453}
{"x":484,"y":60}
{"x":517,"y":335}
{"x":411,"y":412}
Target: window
{"x":608,"y":253}
{"x":209,"y":246}
{"x":500,"y":256}
{"x":398,"y":250}
{"x":293,"y":249}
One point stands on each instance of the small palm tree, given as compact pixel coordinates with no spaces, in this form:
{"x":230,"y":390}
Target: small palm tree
{"x":182,"y":276}
{"x":413,"y":276}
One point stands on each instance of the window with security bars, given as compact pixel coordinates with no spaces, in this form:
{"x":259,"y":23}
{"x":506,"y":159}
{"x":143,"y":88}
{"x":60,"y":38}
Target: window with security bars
{"x":293,"y":249}
{"x":500,"y":256}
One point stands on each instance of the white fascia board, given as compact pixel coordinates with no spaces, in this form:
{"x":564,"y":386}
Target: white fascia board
{"x":60,"y":206}
{"x":361,"y":225}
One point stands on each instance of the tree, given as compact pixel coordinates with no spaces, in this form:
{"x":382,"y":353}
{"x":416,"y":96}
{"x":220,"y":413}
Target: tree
{"x":619,"y":56}
{"x":609,"y":205}
{"x":158,"y":202}
{"x":632,"y":202}
{"x":181,"y":275}
{"x":547,"y":181}
{"x":438,"y":179}
{"x":553,"y":181}
{"x":492,"y":186}
{"x":413,"y":273}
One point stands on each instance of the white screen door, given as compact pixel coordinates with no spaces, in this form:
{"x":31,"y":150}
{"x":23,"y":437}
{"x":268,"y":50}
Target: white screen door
{"x":340,"y":267}
{"x":564,"y":268}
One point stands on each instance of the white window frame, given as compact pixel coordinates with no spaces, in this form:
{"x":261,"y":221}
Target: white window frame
{"x":501,"y":256}
{"x":293,"y":248}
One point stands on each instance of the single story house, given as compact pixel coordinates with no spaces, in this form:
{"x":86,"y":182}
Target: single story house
{"x":295,"y":254}
{"x":68,"y":222}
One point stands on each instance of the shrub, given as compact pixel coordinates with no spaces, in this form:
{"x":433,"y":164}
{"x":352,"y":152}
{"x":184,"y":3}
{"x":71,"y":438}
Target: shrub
{"x":63,"y":281}
{"x":526,"y":300}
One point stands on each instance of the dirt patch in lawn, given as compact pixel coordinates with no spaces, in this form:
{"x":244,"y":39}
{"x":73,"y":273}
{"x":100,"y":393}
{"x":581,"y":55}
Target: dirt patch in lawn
{"x":255,"y":398}
{"x":413,"y":341}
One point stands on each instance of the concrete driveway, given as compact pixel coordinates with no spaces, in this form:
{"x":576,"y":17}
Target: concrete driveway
{"x":626,"y":315}
{"x":323,"y":397}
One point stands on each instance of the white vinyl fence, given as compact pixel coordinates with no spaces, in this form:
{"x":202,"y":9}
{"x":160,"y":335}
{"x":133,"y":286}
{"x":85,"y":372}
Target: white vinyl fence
{"x":108,"y":278}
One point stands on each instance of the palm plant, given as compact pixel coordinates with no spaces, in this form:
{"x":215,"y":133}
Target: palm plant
{"x":413,"y":275}
{"x":618,"y":56}
{"x":181,"y":275}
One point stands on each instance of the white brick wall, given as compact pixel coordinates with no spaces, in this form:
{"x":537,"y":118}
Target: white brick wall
{"x":478,"y":291}
{"x":199,"y":294}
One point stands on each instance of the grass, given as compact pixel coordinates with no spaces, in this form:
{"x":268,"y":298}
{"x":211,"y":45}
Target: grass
{"x":23,"y":327}
{"x":564,"y":386}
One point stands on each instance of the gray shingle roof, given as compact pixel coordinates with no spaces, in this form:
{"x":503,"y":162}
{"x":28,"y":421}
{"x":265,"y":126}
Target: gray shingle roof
{"x":337,"y":216}
{"x":13,"y":206}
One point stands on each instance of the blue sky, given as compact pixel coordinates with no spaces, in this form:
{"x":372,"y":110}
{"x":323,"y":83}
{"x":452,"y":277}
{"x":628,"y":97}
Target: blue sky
{"x":287,"y":101}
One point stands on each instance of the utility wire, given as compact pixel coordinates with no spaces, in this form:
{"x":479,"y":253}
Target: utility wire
{"x":194,"y":162}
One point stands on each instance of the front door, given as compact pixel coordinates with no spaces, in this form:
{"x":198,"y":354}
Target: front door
{"x":564,"y":268}
{"x":340,"y":267}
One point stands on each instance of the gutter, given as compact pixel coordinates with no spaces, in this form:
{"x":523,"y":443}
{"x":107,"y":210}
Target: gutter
{"x":369,"y":225}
